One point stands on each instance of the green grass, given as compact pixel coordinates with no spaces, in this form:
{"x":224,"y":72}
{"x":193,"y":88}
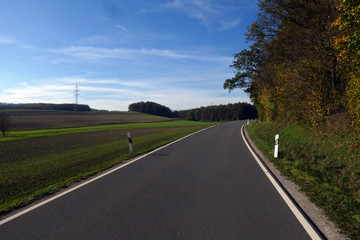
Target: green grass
{"x":325,"y":165}
{"x":17,"y":135}
{"x":25,"y":180}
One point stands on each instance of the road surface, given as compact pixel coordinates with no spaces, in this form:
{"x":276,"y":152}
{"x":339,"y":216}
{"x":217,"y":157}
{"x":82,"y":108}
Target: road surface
{"x":206,"y":186}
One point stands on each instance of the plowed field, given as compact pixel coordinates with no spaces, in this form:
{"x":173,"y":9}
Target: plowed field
{"x":44,"y":119}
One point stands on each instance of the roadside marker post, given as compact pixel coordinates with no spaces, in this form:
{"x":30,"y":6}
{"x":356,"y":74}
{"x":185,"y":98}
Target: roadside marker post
{"x":131,"y":148}
{"x":248,"y":121}
{"x":276,"y":151}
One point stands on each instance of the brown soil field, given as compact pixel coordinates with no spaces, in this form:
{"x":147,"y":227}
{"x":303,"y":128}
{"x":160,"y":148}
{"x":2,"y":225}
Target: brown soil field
{"x":44,"y":119}
{"x":25,"y":149}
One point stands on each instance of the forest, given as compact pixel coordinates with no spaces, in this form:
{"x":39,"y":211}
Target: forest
{"x":46,"y":106}
{"x":229,"y":112}
{"x":152,"y":108}
{"x":303,"y":63}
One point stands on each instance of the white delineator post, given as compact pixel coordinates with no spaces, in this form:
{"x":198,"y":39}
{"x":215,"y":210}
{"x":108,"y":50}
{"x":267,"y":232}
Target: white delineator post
{"x":276,"y":151}
{"x":248,"y":121}
{"x":131,"y":148}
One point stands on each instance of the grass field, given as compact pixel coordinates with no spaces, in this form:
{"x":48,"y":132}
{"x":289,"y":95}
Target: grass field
{"x":35,"y":163}
{"x":18,"y":135}
{"x":326,"y":165}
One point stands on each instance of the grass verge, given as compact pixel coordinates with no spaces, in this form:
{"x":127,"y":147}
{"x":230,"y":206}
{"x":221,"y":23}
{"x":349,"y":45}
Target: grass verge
{"x":25,"y":180}
{"x":325,"y":165}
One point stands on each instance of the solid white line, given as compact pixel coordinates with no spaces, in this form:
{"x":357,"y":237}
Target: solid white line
{"x":92,"y":180}
{"x":308,"y":228}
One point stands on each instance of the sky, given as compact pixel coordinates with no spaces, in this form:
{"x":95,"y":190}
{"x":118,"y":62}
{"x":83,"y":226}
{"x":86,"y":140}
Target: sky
{"x":173,"y":52}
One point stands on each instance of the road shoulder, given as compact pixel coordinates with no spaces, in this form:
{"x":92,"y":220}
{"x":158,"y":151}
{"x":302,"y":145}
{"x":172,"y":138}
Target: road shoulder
{"x":315,"y":214}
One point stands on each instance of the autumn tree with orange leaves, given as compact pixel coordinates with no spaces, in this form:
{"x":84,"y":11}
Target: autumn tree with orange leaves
{"x":348,"y":43}
{"x":303,"y":62}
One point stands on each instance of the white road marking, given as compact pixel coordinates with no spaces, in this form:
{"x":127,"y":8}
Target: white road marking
{"x":306,"y":225}
{"x":92,"y":180}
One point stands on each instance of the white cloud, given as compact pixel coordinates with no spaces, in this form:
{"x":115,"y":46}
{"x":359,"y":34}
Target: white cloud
{"x":40,"y":93}
{"x":210,"y":13}
{"x":224,"y":25}
{"x":94,"y":53}
{"x":6,"y":40}
{"x":121,"y":27}
{"x":116,"y":94}
{"x":119,"y":82}
{"x":198,"y":9}
{"x":103,"y":18}
{"x":185,"y":98}
{"x":97,"y":39}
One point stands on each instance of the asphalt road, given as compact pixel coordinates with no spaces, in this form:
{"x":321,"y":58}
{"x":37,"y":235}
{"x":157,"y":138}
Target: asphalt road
{"x":207,"y":186}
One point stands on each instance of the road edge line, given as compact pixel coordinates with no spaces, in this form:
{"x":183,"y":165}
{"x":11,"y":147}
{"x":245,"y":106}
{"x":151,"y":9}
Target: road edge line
{"x":301,"y":218}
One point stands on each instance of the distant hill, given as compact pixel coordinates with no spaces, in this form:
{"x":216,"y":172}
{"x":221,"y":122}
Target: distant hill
{"x":47,"y":106}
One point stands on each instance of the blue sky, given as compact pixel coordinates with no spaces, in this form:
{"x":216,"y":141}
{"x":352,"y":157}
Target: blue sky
{"x":173,"y":52}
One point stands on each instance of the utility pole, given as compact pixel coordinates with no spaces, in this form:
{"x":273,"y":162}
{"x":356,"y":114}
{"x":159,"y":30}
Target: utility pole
{"x":76,"y":97}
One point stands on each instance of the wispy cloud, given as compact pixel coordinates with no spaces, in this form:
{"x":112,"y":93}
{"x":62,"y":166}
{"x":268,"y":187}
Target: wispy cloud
{"x":118,"y":82}
{"x":210,"y":13}
{"x":121,"y":27}
{"x":103,"y":18}
{"x":189,"y":97}
{"x":199,"y":9}
{"x":97,"y":39}
{"x":6,"y":40}
{"x":60,"y":93}
{"x":94,"y":53}
{"x":42,"y":93}
{"x":230,"y":24}
{"x":177,"y":92}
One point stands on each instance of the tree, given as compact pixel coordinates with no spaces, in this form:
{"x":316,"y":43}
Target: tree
{"x":4,"y":123}
{"x":228,"y":112}
{"x":348,"y":43}
{"x":348,"y":23}
{"x":152,"y":108}
{"x":291,"y":69}
{"x":246,"y":64}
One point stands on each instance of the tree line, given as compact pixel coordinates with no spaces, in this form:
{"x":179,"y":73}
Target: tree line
{"x":152,"y":108}
{"x":228,"y":112}
{"x":303,"y":64}
{"x":47,"y":106}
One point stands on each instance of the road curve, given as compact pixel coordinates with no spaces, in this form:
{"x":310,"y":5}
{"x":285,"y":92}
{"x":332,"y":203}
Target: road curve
{"x":206,"y":186}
